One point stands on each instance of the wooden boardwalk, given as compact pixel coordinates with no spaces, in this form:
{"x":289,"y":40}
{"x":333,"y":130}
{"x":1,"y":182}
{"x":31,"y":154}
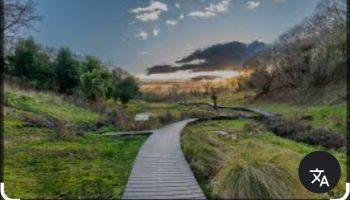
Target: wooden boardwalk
{"x":245,"y":109}
{"x":160,"y":170}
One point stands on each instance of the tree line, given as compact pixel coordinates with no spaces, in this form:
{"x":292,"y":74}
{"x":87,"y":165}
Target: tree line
{"x":311,"y":54}
{"x":61,"y":71}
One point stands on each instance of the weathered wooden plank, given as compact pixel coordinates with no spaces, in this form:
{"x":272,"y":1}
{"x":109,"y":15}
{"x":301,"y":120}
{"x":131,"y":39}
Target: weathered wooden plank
{"x":146,"y":132}
{"x":160,"y":170}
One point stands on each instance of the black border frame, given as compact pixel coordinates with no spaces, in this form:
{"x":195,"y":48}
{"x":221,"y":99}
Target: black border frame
{"x":2,"y":60}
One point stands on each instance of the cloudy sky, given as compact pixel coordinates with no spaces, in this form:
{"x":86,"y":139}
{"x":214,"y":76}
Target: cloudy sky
{"x":138,"y":34}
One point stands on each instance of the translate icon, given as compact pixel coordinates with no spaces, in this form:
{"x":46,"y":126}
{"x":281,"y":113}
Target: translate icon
{"x":317,"y":173}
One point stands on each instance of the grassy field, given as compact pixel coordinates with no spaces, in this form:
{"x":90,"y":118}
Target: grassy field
{"x":39,"y":165}
{"x":245,"y":163}
{"x":332,"y":117}
{"x":49,"y":104}
{"x":248,"y":162}
{"x":329,"y":116}
{"x":251,"y":162}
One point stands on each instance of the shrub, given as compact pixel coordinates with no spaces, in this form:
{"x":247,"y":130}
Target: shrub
{"x":127,"y":89}
{"x":288,"y":128}
{"x":93,"y":85}
{"x":167,"y":118}
{"x":321,"y":137}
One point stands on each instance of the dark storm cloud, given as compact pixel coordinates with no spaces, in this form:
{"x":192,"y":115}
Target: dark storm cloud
{"x":216,"y":57}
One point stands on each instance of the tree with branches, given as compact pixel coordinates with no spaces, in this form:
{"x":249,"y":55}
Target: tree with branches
{"x":18,"y":16}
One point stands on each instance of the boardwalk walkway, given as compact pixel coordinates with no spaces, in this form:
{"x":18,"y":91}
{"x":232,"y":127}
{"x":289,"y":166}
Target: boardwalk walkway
{"x":160,"y":170}
{"x":245,"y":109}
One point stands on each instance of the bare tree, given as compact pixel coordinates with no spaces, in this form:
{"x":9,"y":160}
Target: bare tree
{"x":18,"y":16}
{"x":207,"y":84}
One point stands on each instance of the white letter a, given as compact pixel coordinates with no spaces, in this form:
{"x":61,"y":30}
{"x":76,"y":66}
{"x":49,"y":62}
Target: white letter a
{"x":324,"y":181}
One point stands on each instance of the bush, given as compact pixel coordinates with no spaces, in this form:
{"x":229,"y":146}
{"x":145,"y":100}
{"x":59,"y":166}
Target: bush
{"x":167,"y":118}
{"x":127,"y":89}
{"x":288,"y":128}
{"x":93,"y":86}
{"x":322,"y":137}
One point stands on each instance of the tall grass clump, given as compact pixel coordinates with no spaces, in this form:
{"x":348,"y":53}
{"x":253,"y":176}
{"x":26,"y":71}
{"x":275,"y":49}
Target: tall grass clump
{"x":266,"y":174}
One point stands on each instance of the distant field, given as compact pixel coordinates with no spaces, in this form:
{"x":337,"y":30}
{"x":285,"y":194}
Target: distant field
{"x":164,"y":87}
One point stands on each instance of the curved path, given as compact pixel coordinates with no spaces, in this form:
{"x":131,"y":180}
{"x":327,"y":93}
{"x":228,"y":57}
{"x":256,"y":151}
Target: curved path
{"x":246,"y":109}
{"x":160,"y":170}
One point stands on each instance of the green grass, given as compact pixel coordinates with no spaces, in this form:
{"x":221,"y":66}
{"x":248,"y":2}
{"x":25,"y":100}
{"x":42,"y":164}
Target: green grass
{"x":257,"y":164}
{"x":38,"y":165}
{"x":90,"y":166}
{"x":49,"y":104}
{"x":332,"y":117}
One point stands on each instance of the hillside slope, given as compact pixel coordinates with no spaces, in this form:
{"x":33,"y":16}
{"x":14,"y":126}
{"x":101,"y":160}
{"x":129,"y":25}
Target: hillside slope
{"x":51,"y":152}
